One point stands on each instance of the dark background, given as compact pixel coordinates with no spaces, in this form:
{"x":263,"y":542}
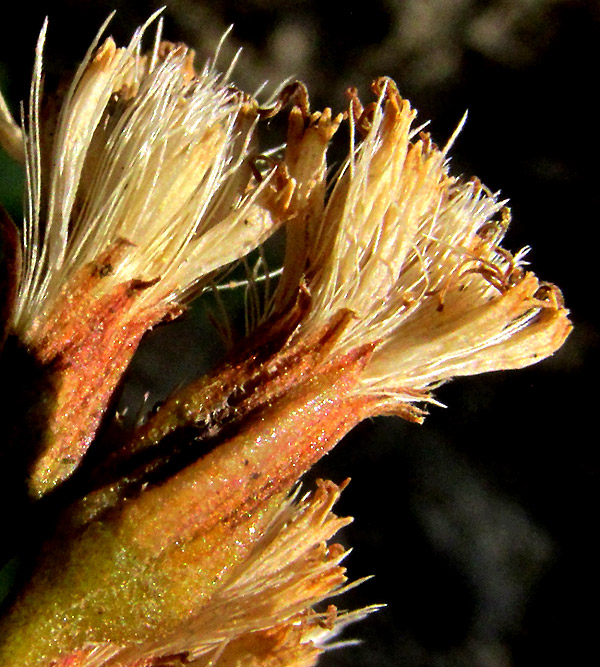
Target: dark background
{"x":478,"y":526}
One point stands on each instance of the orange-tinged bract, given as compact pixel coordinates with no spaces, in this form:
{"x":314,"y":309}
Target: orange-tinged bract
{"x":185,"y":546}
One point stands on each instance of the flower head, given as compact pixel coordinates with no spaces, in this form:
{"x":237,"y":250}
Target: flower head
{"x":138,"y":189}
{"x":142,"y":150}
{"x":413,"y":254}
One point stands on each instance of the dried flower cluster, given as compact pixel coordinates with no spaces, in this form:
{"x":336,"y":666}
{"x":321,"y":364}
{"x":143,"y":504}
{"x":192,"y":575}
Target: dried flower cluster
{"x":182,"y":545}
